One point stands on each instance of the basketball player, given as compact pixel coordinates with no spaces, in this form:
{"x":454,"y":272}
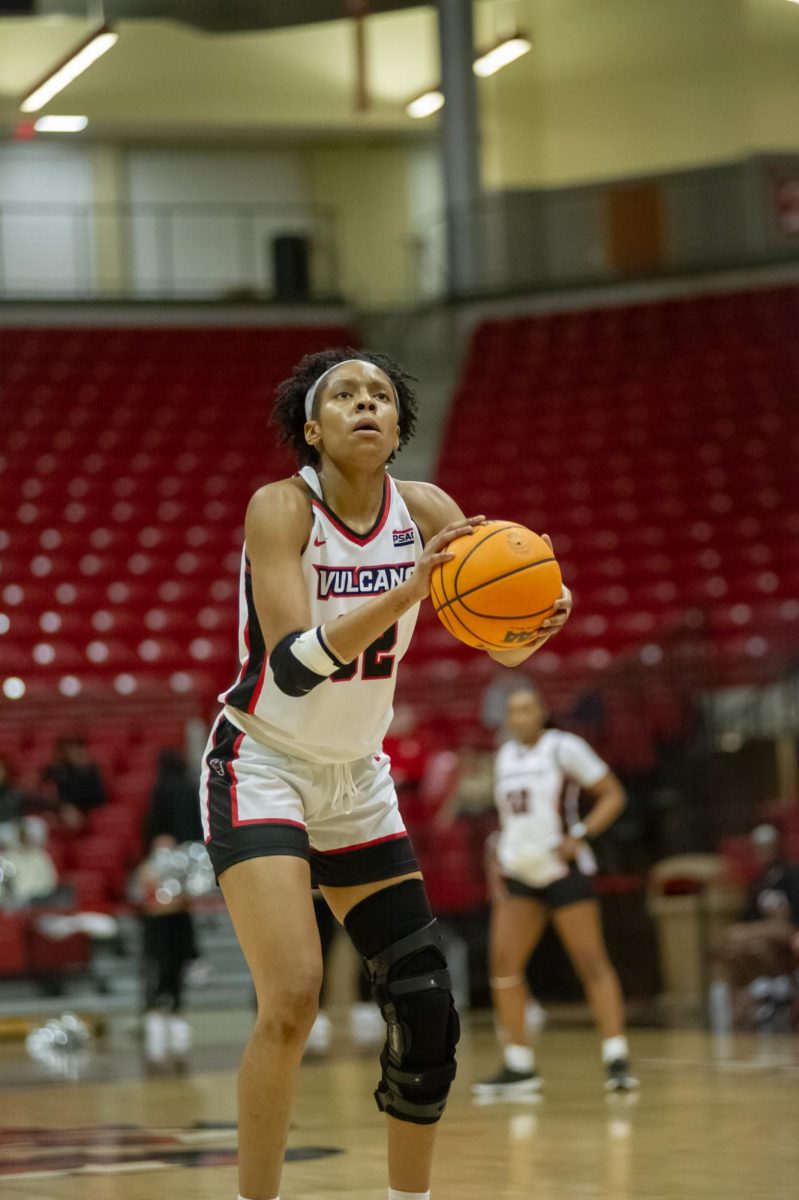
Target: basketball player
{"x":543,"y":870}
{"x":336,"y":561}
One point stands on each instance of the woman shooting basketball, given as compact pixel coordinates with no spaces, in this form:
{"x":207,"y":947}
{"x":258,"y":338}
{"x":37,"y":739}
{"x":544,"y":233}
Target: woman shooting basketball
{"x":336,"y":562}
{"x":543,"y":869}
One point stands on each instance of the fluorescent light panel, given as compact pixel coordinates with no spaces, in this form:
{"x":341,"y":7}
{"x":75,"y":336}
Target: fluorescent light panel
{"x":487,"y":64}
{"x":426,"y":104}
{"x":501,"y":55}
{"x":84,"y":56}
{"x":56,"y":124}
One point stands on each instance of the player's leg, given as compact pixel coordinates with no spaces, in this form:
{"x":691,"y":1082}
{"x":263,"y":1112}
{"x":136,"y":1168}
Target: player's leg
{"x":579,"y":926}
{"x":322,"y":1031}
{"x":517,"y":926}
{"x":155,"y":964}
{"x":183,"y":951}
{"x":269,"y":900}
{"x":253,"y":820}
{"x":391,"y":925}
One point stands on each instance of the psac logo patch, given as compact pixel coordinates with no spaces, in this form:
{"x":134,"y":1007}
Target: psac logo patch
{"x":359,"y":581}
{"x":519,"y":635}
{"x":403,"y":537}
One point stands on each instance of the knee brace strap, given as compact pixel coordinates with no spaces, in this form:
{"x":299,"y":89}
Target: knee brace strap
{"x":420,"y":1095}
{"x":411,"y":983}
{"x":398,"y":1093}
{"x":377,"y":968}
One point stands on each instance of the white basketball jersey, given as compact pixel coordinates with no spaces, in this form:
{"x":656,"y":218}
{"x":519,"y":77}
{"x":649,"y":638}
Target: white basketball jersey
{"x":345,"y":717}
{"x":536,"y":792}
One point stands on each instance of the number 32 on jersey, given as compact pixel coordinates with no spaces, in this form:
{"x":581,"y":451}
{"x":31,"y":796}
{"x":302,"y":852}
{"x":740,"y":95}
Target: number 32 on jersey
{"x":376,"y":662}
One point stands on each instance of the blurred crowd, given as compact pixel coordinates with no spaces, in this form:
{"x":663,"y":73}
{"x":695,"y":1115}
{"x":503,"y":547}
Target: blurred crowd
{"x":446,"y":793}
{"x":69,"y":788}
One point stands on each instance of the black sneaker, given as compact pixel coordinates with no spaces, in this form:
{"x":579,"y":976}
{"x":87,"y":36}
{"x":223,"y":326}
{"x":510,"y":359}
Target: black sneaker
{"x":508,"y":1083}
{"x":619,"y":1077}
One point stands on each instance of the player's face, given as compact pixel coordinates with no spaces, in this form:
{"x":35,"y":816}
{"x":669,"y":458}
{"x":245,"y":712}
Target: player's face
{"x":355,"y":421}
{"x":524,"y":716}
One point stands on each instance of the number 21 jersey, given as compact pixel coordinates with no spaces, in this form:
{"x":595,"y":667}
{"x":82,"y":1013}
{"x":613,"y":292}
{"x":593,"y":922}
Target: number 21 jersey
{"x":345,"y":717}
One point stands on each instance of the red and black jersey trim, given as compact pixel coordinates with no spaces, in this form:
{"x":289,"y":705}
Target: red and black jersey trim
{"x":360,"y":539}
{"x":246,"y":690}
{"x":232,"y":840}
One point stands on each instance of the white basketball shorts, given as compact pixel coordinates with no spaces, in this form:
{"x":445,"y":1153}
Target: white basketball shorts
{"x":343,"y":818}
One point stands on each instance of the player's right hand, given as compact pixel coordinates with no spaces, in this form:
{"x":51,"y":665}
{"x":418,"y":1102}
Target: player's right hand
{"x":435,"y":554}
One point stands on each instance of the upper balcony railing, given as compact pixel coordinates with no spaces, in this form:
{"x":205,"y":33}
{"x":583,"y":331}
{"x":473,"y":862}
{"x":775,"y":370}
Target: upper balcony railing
{"x":55,"y":251}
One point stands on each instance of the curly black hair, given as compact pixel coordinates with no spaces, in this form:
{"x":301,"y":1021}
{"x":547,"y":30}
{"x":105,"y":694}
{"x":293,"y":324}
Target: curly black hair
{"x":289,"y":411}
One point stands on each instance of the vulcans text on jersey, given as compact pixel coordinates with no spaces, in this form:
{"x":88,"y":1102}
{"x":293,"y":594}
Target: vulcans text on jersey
{"x":360,"y":581}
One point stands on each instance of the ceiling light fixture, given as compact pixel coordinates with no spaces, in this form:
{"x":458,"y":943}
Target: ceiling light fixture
{"x":488,"y":63}
{"x":75,"y":64}
{"x":426,"y":104}
{"x":56,"y":124}
{"x":501,"y":55}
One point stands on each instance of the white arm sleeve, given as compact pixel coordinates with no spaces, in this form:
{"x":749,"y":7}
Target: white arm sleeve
{"x":579,"y":762}
{"x":311,"y":649}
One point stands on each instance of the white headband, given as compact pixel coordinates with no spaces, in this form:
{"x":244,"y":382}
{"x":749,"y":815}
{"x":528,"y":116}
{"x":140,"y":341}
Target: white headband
{"x":310,"y":395}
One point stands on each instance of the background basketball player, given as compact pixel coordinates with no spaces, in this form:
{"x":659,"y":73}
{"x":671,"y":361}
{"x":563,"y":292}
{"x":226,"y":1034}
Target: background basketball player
{"x":543,"y":870}
{"x":336,"y":562}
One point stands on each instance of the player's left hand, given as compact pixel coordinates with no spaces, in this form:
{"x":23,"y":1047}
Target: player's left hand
{"x":568,"y":849}
{"x":563,"y":608}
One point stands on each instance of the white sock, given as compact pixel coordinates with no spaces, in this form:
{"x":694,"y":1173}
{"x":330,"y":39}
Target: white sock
{"x":394,"y":1194}
{"x":615,"y":1048}
{"x":519,"y":1058}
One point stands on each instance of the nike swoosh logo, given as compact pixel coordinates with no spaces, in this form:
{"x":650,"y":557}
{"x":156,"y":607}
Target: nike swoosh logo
{"x":319,"y":541}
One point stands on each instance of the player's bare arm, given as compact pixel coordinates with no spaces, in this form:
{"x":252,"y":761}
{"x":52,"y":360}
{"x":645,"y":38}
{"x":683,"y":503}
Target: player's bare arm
{"x":277,"y":528}
{"x":434,"y":511}
{"x":609,"y":801}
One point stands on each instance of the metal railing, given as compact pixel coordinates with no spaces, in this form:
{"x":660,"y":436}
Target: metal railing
{"x":733,"y":215}
{"x":158,"y":251}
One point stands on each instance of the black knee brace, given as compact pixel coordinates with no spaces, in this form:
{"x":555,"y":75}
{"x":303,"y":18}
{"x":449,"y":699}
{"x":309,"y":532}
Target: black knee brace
{"x":404,"y":960}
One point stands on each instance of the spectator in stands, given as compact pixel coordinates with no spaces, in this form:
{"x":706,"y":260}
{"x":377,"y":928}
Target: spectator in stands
{"x":473,"y":792}
{"x":759,"y":953}
{"x":169,"y":942}
{"x":495,"y":697}
{"x":12,"y":800}
{"x":408,"y":757}
{"x":34,"y":879}
{"x":76,"y":781}
{"x":173,"y":808}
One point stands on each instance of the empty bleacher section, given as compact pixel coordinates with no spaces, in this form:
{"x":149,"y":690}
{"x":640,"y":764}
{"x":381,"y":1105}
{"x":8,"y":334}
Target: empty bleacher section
{"x":657,"y":445}
{"x":127,"y":457}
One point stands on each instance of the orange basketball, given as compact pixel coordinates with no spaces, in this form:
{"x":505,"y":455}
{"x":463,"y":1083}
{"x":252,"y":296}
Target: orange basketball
{"x":499,"y":588}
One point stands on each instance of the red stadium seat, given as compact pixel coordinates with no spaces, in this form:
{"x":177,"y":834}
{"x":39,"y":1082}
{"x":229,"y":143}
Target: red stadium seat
{"x":13,"y":944}
{"x":108,"y":514}
{"x":90,"y":888}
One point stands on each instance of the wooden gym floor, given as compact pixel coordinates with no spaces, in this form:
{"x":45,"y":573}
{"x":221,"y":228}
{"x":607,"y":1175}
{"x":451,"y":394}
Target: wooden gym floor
{"x":713,"y":1122}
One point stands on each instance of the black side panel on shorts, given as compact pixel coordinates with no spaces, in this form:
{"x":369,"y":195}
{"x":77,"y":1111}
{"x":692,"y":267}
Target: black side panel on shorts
{"x":572,"y":889}
{"x":367,"y":864}
{"x":231,"y":843}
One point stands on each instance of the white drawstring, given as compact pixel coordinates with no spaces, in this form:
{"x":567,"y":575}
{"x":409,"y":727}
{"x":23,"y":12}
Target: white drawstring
{"x":345,"y":791}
